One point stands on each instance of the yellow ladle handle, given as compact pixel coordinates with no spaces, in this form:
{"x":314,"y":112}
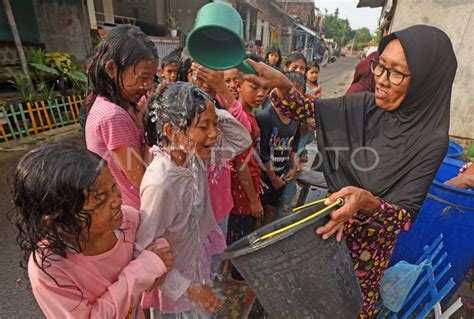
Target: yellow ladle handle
{"x":338,"y":202}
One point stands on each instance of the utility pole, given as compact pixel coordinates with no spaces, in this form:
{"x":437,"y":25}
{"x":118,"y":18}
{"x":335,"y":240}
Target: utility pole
{"x":16,"y":38}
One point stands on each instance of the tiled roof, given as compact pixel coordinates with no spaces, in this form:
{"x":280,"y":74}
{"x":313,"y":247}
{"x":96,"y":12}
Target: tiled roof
{"x":302,"y":10}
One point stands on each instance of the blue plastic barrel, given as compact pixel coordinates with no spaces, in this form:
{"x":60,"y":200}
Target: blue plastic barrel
{"x":449,"y":211}
{"x":454,"y":149}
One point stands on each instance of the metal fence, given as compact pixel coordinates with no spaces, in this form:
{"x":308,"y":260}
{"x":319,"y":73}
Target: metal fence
{"x":24,"y":119}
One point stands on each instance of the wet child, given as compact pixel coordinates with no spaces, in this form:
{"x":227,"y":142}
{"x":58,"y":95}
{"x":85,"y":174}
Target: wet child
{"x":213,"y":83}
{"x":273,"y":57}
{"x":119,"y":77}
{"x":186,"y":131}
{"x":169,"y":67}
{"x":246,"y":174}
{"x":77,"y":238}
{"x":296,"y":62}
{"x":279,"y":138}
{"x":223,"y":87}
{"x":312,"y":76}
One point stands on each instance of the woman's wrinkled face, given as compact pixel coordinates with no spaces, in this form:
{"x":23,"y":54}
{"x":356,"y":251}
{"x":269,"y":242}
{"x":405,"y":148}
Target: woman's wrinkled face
{"x":389,"y":96}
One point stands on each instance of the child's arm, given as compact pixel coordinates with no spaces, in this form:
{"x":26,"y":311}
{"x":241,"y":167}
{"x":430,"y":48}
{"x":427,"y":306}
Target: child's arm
{"x":69,"y":302}
{"x":116,"y":132}
{"x":233,"y":137}
{"x":277,"y":181}
{"x":245,"y":178}
{"x":131,"y":163}
{"x":294,"y":155}
{"x":266,"y":130}
{"x":236,"y":109}
{"x":294,"y":167}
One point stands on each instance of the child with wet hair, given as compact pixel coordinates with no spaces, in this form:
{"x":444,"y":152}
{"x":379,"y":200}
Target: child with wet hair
{"x":186,"y":131}
{"x":77,"y":238}
{"x":219,"y":171}
{"x":122,"y":71}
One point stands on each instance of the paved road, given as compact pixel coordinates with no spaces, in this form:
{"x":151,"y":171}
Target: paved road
{"x":335,"y":77}
{"x":17,"y":300}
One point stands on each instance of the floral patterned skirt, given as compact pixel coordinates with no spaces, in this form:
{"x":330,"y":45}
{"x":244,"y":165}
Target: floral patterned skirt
{"x":370,"y":242}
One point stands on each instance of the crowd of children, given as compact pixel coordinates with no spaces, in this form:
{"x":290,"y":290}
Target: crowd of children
{"x":181,"y":161}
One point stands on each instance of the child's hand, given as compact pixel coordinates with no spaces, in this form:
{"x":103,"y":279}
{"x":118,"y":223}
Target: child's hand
{"x":317,"y":92}
{"x":214,"y":79}
{"x":278,"y":183}
{"x":203,"y":296}
{"x":256,"y":208}
{"x":165,"y":255}
{"x":291,"y":174}
{"x":158,"y":282}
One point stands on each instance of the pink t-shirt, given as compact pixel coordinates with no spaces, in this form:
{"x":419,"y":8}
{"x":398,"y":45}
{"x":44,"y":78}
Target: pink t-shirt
{"x":108,"y":128}
{"x":219,"y":174}
{"x":108,"y":285}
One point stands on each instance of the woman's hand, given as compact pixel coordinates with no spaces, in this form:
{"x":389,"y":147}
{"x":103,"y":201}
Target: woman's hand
{"x":463,"y":181}
{"x":203,"y":296}
{"x":355,"y":200}
{"x":268,"y":77}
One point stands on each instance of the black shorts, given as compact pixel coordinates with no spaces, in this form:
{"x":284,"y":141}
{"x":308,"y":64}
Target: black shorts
{"x":272,"y":196}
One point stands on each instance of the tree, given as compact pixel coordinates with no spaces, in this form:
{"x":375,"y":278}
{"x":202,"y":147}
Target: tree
{"x":361,"y":37}
{"x":337,"y":28}
{"x":19,"y":46}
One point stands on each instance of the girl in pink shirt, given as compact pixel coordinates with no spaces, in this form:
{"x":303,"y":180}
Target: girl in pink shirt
{"x":77,"y":238}
{"x":185,"y":131}
{"x":121,"y":73}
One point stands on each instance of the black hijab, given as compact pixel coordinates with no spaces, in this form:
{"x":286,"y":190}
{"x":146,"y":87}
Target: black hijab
{"x":410,"y":142}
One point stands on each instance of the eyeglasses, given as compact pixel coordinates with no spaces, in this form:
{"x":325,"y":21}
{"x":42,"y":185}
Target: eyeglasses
{"x":394,"y":76}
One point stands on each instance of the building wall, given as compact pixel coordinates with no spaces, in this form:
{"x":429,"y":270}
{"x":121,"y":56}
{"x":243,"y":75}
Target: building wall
{"x":144,"y":10}
{"x":263,"y":32}
{"x":64,"y":26}
{"x":184,"y":11}
{"x":456,"y":19}
{"x":24,"y":19}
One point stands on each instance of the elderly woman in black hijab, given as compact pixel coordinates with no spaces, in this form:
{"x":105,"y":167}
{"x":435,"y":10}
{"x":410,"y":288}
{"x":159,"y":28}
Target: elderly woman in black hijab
{"x":380,"y":150}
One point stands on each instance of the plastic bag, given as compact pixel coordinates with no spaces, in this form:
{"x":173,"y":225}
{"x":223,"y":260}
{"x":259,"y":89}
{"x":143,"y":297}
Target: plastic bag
{"x":397,"y":283}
